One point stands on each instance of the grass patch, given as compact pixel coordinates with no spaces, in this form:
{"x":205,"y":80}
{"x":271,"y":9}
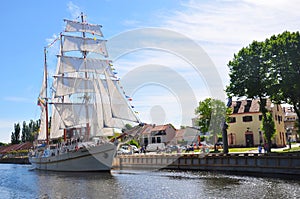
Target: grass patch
{"x":294,"y":149}
{"x":236,"y":150}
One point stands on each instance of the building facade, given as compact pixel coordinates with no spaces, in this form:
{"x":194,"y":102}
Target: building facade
{"x":290,"y":119}
{"x":187,"y":135}
{"x":246,"y":122}
{"x":158,"y":134}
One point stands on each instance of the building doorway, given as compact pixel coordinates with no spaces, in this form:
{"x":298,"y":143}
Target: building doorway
{"x":249,"y":139}
{"x":146,"y":142}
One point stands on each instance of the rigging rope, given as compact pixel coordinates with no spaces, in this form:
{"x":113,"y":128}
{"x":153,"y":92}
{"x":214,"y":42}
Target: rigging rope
{"x":49,"y":45}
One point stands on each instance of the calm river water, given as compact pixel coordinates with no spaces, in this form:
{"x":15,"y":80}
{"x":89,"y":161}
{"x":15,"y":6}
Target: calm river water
{"x":20,"y":181}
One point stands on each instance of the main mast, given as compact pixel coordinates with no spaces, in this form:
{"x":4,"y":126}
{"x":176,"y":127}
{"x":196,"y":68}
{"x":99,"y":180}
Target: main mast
{"x":86,"y":94}
{"x":46,"y":96}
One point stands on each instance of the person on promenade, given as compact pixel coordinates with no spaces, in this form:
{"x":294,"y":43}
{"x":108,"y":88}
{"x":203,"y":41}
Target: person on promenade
{"x":266,"y":147}
{"x":259,"y":148}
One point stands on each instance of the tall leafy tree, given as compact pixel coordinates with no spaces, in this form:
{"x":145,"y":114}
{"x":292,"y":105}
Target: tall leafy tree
{"x":28,"y":132}
{"x":284,"y":56}
{"x":268,"y":126}
{"x":212,"y":114}
{"x":33,"y":128}
{"x":25,"y":132}
{"x":15,"y":136}
{"x":250,"y":75}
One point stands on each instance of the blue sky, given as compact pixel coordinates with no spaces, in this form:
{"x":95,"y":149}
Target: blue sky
{"x":160,"y":73}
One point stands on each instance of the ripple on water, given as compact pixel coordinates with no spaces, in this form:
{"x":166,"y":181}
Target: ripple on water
{"x":18,"y":181}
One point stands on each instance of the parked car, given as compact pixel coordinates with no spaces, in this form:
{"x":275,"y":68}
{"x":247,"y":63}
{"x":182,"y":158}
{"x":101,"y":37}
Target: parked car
{"x":134,"y":149}
{"x":183,"y":148}
{"x":123,"y":149}
{"x":189,"y":148}
{"x":171,"y":148}
{"x":127,"y":149}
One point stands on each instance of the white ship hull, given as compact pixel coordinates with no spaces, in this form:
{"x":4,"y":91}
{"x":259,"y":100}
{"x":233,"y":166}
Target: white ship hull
{"x":97,"y":158}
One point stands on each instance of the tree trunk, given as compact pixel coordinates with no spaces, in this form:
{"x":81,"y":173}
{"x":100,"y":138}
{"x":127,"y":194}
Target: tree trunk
{"x":224,"y":138}
{"x":263,"y":110}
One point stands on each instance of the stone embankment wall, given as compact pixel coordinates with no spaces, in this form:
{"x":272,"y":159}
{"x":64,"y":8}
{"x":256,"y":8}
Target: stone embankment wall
{"x":21,"y":160}
{"x":273,"y":163}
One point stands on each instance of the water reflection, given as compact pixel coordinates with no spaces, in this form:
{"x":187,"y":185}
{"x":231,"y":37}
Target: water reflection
{"x":18,"y":181}
{"x":76,"y":185}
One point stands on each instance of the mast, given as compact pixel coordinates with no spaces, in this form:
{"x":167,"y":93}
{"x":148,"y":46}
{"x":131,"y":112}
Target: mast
{"x":46,"y":97}
{"x":86,"y":95}
{"x":63,"y":98}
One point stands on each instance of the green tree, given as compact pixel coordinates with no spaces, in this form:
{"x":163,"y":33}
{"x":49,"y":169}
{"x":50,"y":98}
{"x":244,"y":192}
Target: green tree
{"x":15,"y":136}
{"x":284,"y":60}
{"x":249,"y":72}
{"x":134,"y":142}
{"x":211,"y":116}
{"x":25,"y":132}
{"x":268,"y":126}
{"x":251,"y":76}
{"x":128,"y":126}
{"x":3,"y":144}
{"x":33,"y":130}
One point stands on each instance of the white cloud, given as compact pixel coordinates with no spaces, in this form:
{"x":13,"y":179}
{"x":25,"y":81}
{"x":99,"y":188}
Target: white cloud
{"x":6,"y":127}
{"x":222,"y":28}
{"x":169,"y":61}
{"x":157,"y":46}
{"x":74,"y":10}
{"x":17,"y":99}
{"x":131,"y":23}
{"x":234,"y":22}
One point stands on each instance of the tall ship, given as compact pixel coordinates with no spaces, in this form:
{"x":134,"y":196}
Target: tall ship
{"x":86,"y":103}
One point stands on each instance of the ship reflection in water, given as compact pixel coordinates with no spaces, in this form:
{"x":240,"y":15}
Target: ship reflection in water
{"x":19,"y":181}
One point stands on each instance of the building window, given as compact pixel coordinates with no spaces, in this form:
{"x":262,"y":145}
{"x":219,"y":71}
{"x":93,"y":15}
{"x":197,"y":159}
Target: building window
{"x":260,"y":117}
{"x":158,"y":140}
{"x":231,"y":138}
{"x":146,"y":141}
{"x":247,"y":107}
{"x":153,"y":140}
{"x":232,"y":119}
{"x":237,"y":107}
{"x":247,"y":118}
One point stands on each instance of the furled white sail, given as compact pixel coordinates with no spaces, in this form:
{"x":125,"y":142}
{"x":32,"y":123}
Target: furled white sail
{"x":119,"y":105}
{"x":74,"y":26}
{"x":76,"y":64}
{"x":70,"y":85}
{"x":72,"y":43}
